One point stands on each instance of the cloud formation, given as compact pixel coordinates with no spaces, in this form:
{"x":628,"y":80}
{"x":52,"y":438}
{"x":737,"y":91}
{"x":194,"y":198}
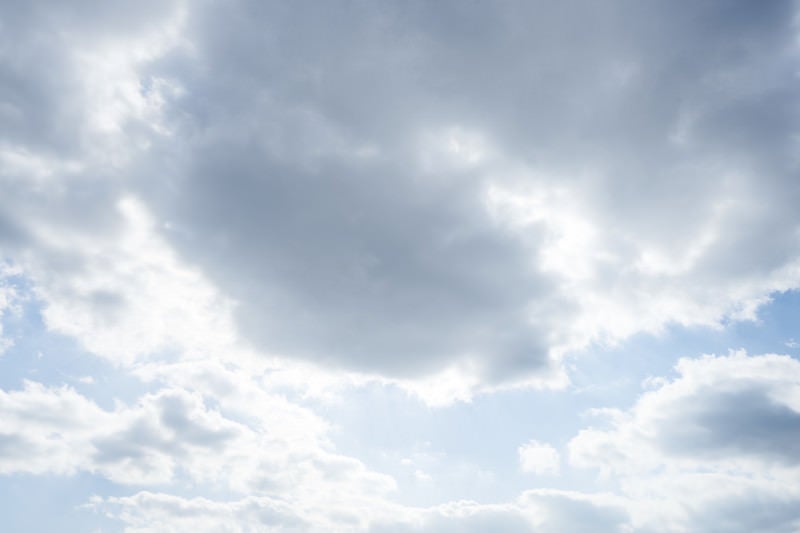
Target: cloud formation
{"x":396,"y":208}
{"x":406,"y":190}
{"x":714,"y":449}
{"x":250,"y":207}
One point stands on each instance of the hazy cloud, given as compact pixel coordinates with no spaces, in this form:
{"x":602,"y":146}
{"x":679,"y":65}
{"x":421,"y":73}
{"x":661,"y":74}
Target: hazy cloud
{"x":539,"y":458}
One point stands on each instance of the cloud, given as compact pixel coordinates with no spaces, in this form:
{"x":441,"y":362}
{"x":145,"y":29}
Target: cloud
{"x":131,"y":299}
{"x":167,"y":431}
{"x":273,"y":458}
{"x":57,"y":430}
{"x":391,"y":192}
{"x":557,"y":510}
{"x":171,"y":436}
{"x":375,"y":201}
{"x":542,"y":511}
{"x":233,"y":200}
{"x":713,"y":449}
{"x":147,"y":511}
{"x":539,"y":458}
{"x":46,"y":429}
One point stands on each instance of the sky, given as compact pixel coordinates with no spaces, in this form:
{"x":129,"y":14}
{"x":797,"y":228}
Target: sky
{"x":400,"y":266}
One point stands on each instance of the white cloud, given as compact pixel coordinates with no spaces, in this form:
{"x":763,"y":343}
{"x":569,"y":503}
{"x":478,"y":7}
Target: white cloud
{"x":57,"y":430}
{"x":47,"y":429}
{"x":714,"y":448}
{"x":543,"y":511}
{"x":172,"y":435}
{"x":147,"y":511}
{"x":131,"y":298}
{"x":539,"y":458}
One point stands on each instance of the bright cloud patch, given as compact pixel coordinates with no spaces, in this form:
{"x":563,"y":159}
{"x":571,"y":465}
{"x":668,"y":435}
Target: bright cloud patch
{"x":539,"y":458}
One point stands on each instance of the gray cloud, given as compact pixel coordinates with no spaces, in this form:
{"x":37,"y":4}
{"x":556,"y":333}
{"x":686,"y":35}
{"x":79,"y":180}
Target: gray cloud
{"x":752,"y":511}
{"x":332,"y":168}
{"x":302,"y":193}
{"x":382,"y":274}
{"x":746,"y":422}
{"x":720,"y":408}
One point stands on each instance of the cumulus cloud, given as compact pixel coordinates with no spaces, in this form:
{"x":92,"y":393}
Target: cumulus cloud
{"x":172,"y":436}
{"x":57,"y":430}
{"x":714,"y":449}
{"x":47,"y":429}
{"x":410,"y":190}
{"x":398,"y":209}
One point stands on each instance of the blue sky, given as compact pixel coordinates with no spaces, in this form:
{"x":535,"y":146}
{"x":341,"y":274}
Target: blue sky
{"x":399,"y":266}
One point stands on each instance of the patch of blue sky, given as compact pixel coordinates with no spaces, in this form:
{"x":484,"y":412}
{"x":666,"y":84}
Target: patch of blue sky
{"x":469,"y":450}
{"x":55,"y":360}
{"x":54,"y":503}
{"x":611,"y":376}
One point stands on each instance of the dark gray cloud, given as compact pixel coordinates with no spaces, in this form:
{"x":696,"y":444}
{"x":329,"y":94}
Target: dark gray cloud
{"x":360,"y":266}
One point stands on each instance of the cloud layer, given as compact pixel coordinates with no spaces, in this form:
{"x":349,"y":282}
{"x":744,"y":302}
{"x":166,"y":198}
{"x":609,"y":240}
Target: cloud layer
{"x":252,"y":209}
{"x":405,"y":190}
